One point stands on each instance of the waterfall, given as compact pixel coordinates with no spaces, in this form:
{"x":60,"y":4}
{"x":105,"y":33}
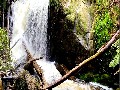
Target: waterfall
{"x":28,"y":24}
{"x":29,"y":30}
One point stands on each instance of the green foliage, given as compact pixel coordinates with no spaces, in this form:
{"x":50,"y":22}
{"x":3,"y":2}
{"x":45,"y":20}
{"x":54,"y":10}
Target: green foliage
{"x":4,"y":51}
{"x":103,"y":2}
{"x":103,"y":27}
{"x":55,"y":4}
{"x":105,"y":24}
{"x":95,"y":77}
{"x":21,"y":84}
{"x":116,"y":59}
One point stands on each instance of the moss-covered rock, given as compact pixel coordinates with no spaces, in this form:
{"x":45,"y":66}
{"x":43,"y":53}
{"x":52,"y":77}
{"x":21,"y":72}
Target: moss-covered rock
{"x":78,"y":12}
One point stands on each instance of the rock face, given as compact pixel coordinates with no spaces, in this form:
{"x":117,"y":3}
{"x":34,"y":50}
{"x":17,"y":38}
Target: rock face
{"x":70,"y":32}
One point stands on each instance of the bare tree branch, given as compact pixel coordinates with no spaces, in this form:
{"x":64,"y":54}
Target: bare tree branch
{"x":101,"y":50}
{"x":118,"y":71}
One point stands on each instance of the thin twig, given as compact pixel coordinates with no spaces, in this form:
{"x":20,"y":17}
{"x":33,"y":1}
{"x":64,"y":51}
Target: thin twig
{"x":117,"y":71}
{"x":14,"y":44}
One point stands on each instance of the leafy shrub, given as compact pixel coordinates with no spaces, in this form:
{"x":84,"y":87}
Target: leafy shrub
{"x":102,"y":29}
{"x":5,"y":61}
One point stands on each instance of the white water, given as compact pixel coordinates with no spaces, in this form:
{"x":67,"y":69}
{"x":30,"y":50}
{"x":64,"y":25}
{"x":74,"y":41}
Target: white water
{"x":30,"y":18}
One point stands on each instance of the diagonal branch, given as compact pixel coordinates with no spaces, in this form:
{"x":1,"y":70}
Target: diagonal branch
{"x":117,"y":71}
{"x":101,"y":50}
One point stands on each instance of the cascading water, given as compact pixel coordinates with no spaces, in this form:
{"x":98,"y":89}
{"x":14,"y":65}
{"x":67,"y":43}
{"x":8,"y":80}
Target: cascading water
{"x":29,"y":31}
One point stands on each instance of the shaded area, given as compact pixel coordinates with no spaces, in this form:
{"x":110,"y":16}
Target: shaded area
{"x":98,"y":70}
{"x":64,"y":45}
{"x":4,"y":7}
